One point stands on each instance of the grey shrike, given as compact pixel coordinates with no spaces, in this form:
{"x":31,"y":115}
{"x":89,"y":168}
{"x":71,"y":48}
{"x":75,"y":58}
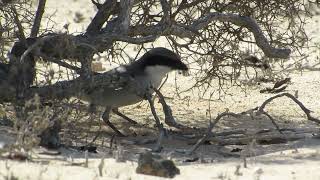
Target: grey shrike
{"x":146,"y":72}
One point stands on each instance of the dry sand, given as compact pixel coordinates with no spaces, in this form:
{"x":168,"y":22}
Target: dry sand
{"x":292,"y":160}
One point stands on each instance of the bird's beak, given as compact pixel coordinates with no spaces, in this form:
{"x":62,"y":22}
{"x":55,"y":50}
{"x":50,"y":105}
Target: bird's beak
{"x":184,"y":70}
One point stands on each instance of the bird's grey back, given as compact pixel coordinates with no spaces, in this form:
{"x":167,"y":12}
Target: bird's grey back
{"x":116,"y":94}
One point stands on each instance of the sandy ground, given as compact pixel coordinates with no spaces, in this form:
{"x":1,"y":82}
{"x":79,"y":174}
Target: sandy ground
{"x":292,"y":160}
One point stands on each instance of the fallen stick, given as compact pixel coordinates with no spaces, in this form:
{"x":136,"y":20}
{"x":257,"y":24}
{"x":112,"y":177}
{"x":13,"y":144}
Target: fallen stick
{"x":161,"y":130}
{"x":259,"y":111}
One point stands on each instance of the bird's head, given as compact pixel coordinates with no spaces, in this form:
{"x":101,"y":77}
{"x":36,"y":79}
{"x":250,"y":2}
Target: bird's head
{"x":160,"y":61}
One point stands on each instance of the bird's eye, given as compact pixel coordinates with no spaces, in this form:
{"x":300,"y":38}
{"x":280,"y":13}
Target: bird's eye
{"x":184,"y":73}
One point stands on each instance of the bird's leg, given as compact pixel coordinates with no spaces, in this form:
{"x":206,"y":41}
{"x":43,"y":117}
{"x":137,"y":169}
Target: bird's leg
{"x":106,"y":119}
{"x":116,"y":111}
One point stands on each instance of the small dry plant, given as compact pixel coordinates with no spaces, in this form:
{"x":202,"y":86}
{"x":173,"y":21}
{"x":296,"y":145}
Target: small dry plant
{"x":31,"y":121}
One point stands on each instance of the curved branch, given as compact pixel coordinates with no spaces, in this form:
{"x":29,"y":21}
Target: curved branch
{"x":303,"y":108}
{"x":250,"y":24}
{"x":169,"y":119}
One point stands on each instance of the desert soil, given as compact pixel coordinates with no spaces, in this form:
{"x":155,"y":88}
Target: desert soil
{"x":290,"y":160}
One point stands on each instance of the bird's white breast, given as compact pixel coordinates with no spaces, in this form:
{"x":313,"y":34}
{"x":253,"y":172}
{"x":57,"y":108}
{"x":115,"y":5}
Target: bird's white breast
{"x":156,"y":74}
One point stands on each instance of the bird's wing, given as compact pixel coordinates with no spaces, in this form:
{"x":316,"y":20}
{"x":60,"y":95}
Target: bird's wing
{"x":112,"y":80}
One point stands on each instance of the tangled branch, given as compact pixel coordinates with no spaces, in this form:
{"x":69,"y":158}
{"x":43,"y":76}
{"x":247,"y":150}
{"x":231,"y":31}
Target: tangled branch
{"x":130,"y":22}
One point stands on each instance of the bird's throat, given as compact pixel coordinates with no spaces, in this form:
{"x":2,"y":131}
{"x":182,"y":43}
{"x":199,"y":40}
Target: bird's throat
{"x":156,"y":74}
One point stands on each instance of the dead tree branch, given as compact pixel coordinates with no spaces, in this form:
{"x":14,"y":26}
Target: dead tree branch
{"x":60,"y":63}
{"x":159,"y":125}
{"x":272,"y":120}
{"x":125,"y":16}
{"x":102,"y":41}
{"x":105,"y":10}
{"x":250,"y":24}
{"x":169,"y":119}
{"x":166,"y":11}
{"x":264,"y":139}
{"x":22,"y":36}
{"x":259,"y":111}
{"x":303,"y":108}
{"x":37,"y":19}
{"x":209,"y":130}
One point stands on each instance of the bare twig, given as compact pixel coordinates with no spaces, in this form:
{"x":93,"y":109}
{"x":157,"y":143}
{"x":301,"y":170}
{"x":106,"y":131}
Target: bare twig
{"x":272,"y":120}
{"x":98,"y":133}
{"x":101,"y":166}
{"x":37,"y":19}
{"x":22,"y":36}
{"x":161,"y":130}
{"x":112,"y":141}
{"x":59,"y":62}
{"x":169,"y":119}
{"x":185,"y":5}
{"x":209,"y":130}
